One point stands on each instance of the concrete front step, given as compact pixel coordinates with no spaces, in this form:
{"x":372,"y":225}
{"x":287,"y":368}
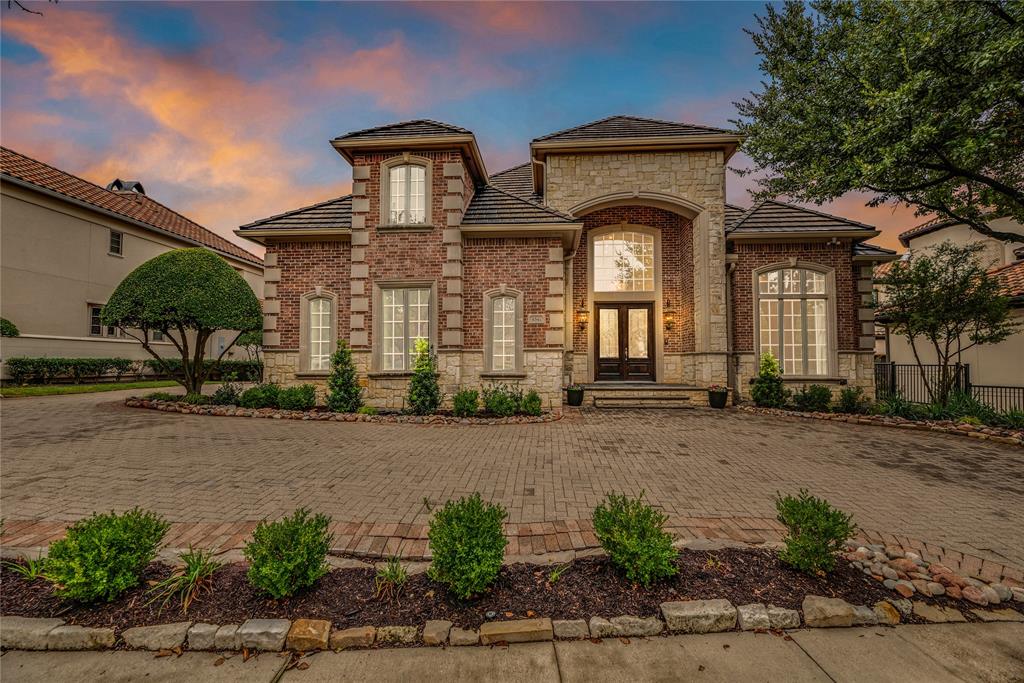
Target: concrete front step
{"x":643,"y":395}
{"x":680,"y":402}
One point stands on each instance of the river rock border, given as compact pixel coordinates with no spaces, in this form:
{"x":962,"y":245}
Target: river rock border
{"x":982,"y":432}
{"x":322,"y":416}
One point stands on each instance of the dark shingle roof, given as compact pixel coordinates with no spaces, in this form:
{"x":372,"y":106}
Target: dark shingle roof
{"x":865,"y":249}
{"x":491,"y":205}
{"x":417,"y":128}
{"x":133,"y":206}
{"x":732,"y":214}
{"x":772,"y":216}
{"x":333,"y":213}
{"x":517,"y":180}
{"x":628,"y":127}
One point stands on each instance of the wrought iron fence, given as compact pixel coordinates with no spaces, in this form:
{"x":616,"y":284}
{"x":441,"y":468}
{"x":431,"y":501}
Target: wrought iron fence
{"x":998,"y":397}
{"x":906,"y":380}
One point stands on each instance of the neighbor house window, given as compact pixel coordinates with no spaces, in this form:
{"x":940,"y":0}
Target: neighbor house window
{"x":407,"y":195}
{"x":116,"y":242}
{"x":792,"y":307}
{"x":503,"y":330}
{"x":405,"y":318}
{"x":96,"y":328}
{"x":624,"y":262}
{"x":319,"y":334}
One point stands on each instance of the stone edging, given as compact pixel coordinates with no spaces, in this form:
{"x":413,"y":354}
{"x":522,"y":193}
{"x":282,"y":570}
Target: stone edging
{"x":320,"y":416}
{"x":1007,"y":436}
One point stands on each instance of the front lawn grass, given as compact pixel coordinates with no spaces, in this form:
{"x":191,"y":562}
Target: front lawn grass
{"x":58,"y":389}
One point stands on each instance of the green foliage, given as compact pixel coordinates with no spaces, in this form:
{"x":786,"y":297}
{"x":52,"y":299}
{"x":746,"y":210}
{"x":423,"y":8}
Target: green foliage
{"x":633,"y":535}
{"x":894,"y":404}
{"x":501,"y":400}
{"x":468,"y":545}
{"x":343,"y":390}
{"x":228,"y":393}
{"x":162,"y":396}
{"x":960,"y":405}
{"x":180,"y":292}
{"x":8,"y":329}
{"x":102,"y":556}
{"x":852,"y":401}
{"x":816,"y":532}
{"x":1009,"y":419}
{"x":243,"y":370}
{"x":28,"y":568}
{"x":260,"y":396}
{"x":555,"y":574}
{"x":767,"y":389}
{"x":302,"y":397}
{"x":466,"y":403}
{"x":813,"y":399}
{"x":424,"y":392}
{"x":189,"y":581}
{"x":913,"y":102}
{"x":531,"y":404}
{"x":290,"y":554}
{"x":195,"y":399}
{"x":390,"y":580}
{"x":45,"y":370}
{"x":366,"y":410}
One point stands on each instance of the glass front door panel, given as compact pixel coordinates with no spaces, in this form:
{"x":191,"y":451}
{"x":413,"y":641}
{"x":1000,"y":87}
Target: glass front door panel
{"x":638,"y":333}
{"x":609,"y":324}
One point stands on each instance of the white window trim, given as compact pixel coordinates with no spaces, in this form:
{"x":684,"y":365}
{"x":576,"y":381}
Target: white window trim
{"x":406,"y":159}
{"x":106,"y":331}
{"x":831,"y":353}
{"x":110,"y":240}
{"x":376,"y":348}
{"x":305,"y":333}
{"x":488,"y":309}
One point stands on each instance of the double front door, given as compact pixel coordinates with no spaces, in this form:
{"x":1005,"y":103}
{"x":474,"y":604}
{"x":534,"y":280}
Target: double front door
{"x":625,"y":342}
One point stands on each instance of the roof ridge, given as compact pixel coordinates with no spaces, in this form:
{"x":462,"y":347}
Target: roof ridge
{"x":578,"y":125}
{"x":513,"y":168}
{"x":631,"y":117}
{"x":821,"y":213}
{"x":396,"y":124}
{"x":747,"y":213}
{"x":671,"y":123}
{"x":553,"y":212}
{"x":294,"y":211}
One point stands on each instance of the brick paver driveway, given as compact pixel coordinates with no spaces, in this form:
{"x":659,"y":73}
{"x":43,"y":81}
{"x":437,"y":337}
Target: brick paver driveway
{"x":65,"y":457}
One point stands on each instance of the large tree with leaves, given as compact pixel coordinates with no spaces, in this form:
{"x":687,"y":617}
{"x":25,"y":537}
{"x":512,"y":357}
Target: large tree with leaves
{"x":186,"y":295}
{"x":915,"y":102}
{"x":944,"y":299}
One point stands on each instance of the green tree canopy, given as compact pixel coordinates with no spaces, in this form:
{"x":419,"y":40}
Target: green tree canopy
{"x":915,"y":102}
{"x":186,"y":294}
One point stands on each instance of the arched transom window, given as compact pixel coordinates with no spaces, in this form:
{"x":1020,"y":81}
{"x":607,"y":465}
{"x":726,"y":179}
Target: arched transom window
{"x":407,"y":194}
{"x":624,"y":262}
{"x":792,"y":308}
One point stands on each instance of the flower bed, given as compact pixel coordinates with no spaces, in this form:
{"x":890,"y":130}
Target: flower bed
{"x":1007,"y":436}
{"x":327,"y":416}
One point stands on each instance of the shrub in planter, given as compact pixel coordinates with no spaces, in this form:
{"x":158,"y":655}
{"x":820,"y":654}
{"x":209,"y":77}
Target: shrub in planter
{"x":633,"y":535}
{"x":290,"y":554}
{"x":574,"y":395}
{"x":531,"y":404}
{"x":260,"y":396}
{"x":501,"y":400}
{"x":813,"y":399}
{"x":343,"y":390}
{"x":468,"y":545}
{"x":718,"y":396}
{"x":162,"y":396}
{"x":816,"y":532}
{"x":302,"y":397}
{"x":466,"y":403}
{"x":768,"y":390}
{"x":853,"y":401}
{"x":102,"y":556}
{"x":424,"y":392}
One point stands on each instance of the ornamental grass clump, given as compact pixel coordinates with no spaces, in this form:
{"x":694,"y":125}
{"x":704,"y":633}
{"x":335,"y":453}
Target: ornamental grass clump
{"x":187,"y":582}
{"x":633,"y":535}
{"x":468,"y":545}
{"x":816,"y":532}
{"x":103,"y":556}
{"x":290,"y":554}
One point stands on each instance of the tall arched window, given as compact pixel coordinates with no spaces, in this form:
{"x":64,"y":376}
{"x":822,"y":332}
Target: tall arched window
{"x":407,"y":195}
{"x":503,"y":330}
{"x":624,"y":262}
{"x":793,"y":310}
{"x":319,"y":334}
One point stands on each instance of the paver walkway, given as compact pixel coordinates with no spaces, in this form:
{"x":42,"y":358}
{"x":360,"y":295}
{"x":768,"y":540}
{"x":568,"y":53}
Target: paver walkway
{"x":65,"y":457}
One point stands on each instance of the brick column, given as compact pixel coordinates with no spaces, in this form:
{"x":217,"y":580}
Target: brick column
{"x":453,"y":203}
{"x":359,"y":275}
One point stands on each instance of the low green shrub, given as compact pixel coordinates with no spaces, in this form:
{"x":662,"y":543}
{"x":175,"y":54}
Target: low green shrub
{"x":468,"y":545}
{"x":852,"y":401}
{"x":633,"y":535}
{"x":8,"y":329}
{"x":26,"y":370}
{"x":466,"y":403}
{"x":366,"y":410}
{"x":816,"y":532}
{"x":162,"y":396}
{"x":290,"y":554}
{"x":343,"y":390}
{"x":1009,"y":419}
{"x":501,"y":400}
{"x":260,"y":396}
{"x":102,"y":556}
{"x":894,"y":405}
{"x":195,"y":399}
{"x":424,"y":392}
{"x":813,"y":399}
{"x":531,"y":404}
{"x":768,"y":390}
{"x":302,"y":397}
{"x":228,"y":393}
{"x":244,"y":370}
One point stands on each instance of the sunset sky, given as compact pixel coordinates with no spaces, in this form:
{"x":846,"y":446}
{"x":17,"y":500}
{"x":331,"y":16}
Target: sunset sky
{"x":224,"y":110}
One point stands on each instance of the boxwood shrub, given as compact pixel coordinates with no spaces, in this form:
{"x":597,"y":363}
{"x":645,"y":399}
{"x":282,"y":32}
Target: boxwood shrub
{"x":260,"y":396}
{"x":290,"y":554}
{"x":816,"y":532}
{"x":633,"y":535}
{"x":468,"y":545}
{"x":302,"y":397}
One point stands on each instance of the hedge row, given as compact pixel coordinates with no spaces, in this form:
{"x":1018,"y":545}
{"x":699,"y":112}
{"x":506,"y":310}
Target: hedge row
{"x":243,"y":370}
{"x":46,"y":370}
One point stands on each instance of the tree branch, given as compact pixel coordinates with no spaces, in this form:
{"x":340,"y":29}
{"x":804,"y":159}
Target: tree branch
{"x":20,"y":6}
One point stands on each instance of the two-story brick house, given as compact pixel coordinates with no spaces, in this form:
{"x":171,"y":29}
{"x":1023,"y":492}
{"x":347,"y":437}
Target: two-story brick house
{"x":611,"y":258}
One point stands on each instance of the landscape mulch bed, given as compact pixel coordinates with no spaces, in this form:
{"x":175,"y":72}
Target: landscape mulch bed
{"x":588,"y":587}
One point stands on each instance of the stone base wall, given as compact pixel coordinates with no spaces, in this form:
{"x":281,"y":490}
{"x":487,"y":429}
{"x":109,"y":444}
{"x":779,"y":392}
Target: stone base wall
{"x":709,"y":368}
{"x":857,"y":368}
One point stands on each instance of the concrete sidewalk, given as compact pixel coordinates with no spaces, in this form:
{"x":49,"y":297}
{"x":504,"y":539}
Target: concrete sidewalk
{"x":933,"y":654}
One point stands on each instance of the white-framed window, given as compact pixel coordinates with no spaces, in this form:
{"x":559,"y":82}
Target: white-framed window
{"x":793,"y":310}
{"x":116,"y":246}
{"x":404,"y":318}
{"x":98,"y":329}
{"x":320,"y":325}
{"x":503,"y":333}
{"x":624,"y":262}
{"x":407,"y":194}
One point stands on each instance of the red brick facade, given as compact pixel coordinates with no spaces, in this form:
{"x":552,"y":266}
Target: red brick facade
{"x":304,"y":267}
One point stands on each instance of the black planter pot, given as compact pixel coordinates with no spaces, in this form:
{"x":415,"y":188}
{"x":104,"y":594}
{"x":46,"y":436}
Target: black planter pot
{"x":574,"y":396}
{"x":718,"y":399}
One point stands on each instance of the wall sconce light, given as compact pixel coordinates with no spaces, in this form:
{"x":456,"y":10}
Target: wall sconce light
{"x":581,"y":319}
{"x":670,"y":323}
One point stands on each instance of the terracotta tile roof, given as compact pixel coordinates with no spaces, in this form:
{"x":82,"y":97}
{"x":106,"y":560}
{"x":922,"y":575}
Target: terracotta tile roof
{"x":417,"y":128}
{"x":333,"y":213}
{"x":771,"y":216}
{"x":492,"y":205}
{"x":132,"y":206}
{"x":882,"y":269}
{"x":614,"y":127}
{"x":1012,"y":279}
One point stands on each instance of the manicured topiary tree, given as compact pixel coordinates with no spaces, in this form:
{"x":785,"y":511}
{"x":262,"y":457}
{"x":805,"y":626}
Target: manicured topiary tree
{"x":424,"y":392}
{"x":343,"y":390}
{"x":768,"y":390}
{"x":8,"y":329}
{"x":186,"y":294}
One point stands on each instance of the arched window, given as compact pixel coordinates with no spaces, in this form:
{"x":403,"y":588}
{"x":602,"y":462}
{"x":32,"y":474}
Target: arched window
{"x":407,"y":195}
{"x":792,"y":306}
{"x":503,"y":330}
{"x":624,"y":262}
{"x":320,"y":334}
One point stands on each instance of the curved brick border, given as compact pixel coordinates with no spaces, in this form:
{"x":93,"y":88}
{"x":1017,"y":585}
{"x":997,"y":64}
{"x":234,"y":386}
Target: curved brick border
{"x":409,"y":541}
{"x":1007,"y":436}
{"x":316,"y":416}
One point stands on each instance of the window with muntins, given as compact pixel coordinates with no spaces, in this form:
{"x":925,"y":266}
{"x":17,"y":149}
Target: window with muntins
{"x":407,"y":195}
{"x":319,"y":334}
{"x":792,"y":307}
{"x":116,"y":242}
{"x":503,"y":333}
{"x":405,"y":317}
{"x":624,"y":262}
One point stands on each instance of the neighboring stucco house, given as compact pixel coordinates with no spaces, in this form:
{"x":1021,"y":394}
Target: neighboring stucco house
{"x":609,"y":259}
{"x":65,"y":245}
{"x":998,"y":364}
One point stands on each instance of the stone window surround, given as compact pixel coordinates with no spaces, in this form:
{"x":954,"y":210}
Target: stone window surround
{"x":304,"y":331}
{"x":404,"y":159}
{"x":832,"y":353}
{"x":488,"y":298}
{"x":375,"y":362}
